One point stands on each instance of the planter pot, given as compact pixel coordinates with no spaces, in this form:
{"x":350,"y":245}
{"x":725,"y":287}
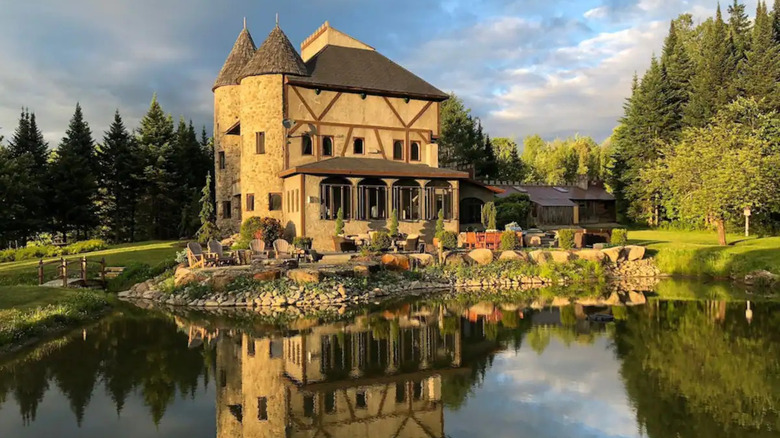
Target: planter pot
{"x":342,"y":244}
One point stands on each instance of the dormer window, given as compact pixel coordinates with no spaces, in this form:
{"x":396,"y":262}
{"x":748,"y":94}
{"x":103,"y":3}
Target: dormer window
{"x":327,"y":146}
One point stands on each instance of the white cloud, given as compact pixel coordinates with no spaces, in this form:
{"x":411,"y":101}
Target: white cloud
{"x":599,"y":12}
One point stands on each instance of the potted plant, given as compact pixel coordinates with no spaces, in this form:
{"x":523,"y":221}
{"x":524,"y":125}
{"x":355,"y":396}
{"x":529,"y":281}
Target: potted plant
{"x":439,"y":228}
{"x":302,"y":243}
{"x":341,"y":243}
{"x":393,"y":225}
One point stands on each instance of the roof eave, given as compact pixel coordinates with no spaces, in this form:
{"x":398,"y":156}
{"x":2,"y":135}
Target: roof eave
{"x":348,"y":172}
{"x":372,"y":91}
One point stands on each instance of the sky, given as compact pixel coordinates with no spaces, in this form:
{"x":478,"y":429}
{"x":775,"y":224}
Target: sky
{"x":554,"y":68}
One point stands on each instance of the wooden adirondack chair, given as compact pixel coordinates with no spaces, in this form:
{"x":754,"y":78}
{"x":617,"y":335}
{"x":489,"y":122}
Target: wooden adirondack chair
{"x":215,"y":248}
{"x":195,"y":256}
{"x":257,"y":247}
{"x":282,"y":249}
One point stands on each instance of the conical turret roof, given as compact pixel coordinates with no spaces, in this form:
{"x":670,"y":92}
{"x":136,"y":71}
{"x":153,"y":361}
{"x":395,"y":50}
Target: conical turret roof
{"x":275,"y":56}
{"x":239,"y":56}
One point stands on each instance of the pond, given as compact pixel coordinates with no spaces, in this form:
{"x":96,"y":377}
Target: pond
{"x":420,"y":368}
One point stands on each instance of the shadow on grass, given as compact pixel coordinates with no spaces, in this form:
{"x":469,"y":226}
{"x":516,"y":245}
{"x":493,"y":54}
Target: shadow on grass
{"x":720,"y":262}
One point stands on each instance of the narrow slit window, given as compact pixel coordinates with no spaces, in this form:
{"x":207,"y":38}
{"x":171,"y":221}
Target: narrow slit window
{"x":358,"y":146}
{"x":275,"y":201}
{"x":259,"y":142}
{"x":222,"y":160}
{"x":250,"y":202}
{"x":262,"y":408}
{"x":226,"y":209}
{"x":360,"y":400}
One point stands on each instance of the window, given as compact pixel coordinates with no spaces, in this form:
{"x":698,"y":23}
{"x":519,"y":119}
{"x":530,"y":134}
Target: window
{"x":400,"y":392}
{"x":297,"y":200}
{"x":223,"y":378}
{"x":308,"y":406}
{"x":335,"y":194}
{"x":360,"y":399}
{"x":259,"y":142}
{"x":398,"y":150}
{"x":417,"y":388}
{"x":275,"y":201}
{"x":250,"y":202}
{"x":372,"y":199}
{"x":226,"y":209}
{"x":407,"y":197}
{"x":262,"y":408}
{"x":250,"y":348}
{"x":438,"y":196}
{"x":330,"y":402}
{"x":327,"y":146}
{"x":415,"y":153}
{"x":306,"y":147}
{"x":471,"y":211}
{"x":221,"y":160}
{"x":357,"y":146}
{"x":275,"y":349}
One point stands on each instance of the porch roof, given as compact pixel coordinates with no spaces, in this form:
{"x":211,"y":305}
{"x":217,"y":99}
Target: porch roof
{"x":344,"y":166}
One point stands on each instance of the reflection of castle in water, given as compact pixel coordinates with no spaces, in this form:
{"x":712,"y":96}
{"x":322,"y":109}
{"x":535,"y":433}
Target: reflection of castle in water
{"x":377,"y":379}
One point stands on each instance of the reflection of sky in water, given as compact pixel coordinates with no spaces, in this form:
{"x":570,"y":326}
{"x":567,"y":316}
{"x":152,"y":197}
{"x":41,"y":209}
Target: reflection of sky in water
{"x":571,"y":391}
{"x":185,"y":417}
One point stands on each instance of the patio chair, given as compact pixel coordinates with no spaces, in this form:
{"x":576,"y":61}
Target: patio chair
{"x":215,"y":248}
{"x":195,"y":257}
{"x":283,"y":249}
{"x":471,"y":240}
{"x":411,"y":242}
{"x":257,"y":248}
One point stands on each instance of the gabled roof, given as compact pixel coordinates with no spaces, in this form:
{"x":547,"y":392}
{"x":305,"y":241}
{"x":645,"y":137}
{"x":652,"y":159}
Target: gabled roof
{"x":275,"y":56}
{"x":353,"y":69}
{"x":239,"y":56}
{"x":559,"y":196}
{"x":343,"y":166}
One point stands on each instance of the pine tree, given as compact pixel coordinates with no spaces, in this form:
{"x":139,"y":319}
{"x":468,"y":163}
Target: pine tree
{"x":759,"y":72}
{"x":17,"y":194}
{"x":487,"y":164}
{"x":74,"y":180}
{"x":739,"y":29}
{"x":208,"y":229}
{"x":679,"y":73}
{"x":119,"y":161}
{"x":776,"y":21}
{"x":28,"y":139}
{"x":156,"y":137}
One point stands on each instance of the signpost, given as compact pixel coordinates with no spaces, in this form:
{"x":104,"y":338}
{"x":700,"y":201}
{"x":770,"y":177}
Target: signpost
{"x":747,"y":221}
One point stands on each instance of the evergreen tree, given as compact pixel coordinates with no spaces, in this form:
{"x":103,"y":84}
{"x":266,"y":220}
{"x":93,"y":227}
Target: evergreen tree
{"x":760,"y":70}
{"x":487,"y":166}
{"x":17,"y":195}
{"x":208,"y":229}
{"x":160,"y":215}
{"x":776,"y":21}
{"x":461,"y":142}
{"x":120,"y":165}
{"x":679,"y":73}
{"x":739,"y":29}
{"x":28,"y":139}
{"x":73,"y":180}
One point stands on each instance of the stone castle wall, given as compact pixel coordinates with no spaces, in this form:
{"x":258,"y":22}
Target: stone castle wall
{"x":227,"y":109}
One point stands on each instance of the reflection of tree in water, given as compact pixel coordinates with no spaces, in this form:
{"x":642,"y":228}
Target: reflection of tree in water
{"x":699,"y":369}
{"x":126,"y":354}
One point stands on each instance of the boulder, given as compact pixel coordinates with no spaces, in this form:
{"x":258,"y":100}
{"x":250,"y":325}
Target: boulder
{"x":592,"y":255}
{"x":514,"y":255}
{"x":303,"y":276}
{"x":396,"y":262}
{"x":761,"y":278}
{"x":560,"y":302}
{"x":423,"y":260}
{"x":615,"y":254}
{"x":561,"y":256}
{"x":599,"y":245}
{"x":636,"y":298}
{"x":361,"y":271}
{"x":635,"y":252}
{"x":229,"y":241}
{"x":269,"y":274}
{"x":532,"y":240}
{"x":220,"y":280}
{"x":457,"y":259}
{"x":613,"y":300}
{"x":481,"y":256}
{"x":540,"y":257}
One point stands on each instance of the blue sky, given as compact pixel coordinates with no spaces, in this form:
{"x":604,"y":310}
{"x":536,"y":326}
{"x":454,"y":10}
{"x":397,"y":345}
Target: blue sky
{"x":553,"y":67}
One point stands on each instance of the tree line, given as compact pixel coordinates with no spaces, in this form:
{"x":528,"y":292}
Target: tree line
{"x":134,"y":185}
{"x":698,"y":141}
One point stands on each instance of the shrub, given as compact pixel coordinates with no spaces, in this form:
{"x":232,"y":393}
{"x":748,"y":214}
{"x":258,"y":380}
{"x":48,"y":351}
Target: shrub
{"x":439,"y":224}
{"x":84,"y":246}
{"x":394,"y":223}
{"x":181,"y":256}
{"x":566,"y":238}
{"x":302,"y":242}
{"x":36,"y":252}
{"x":7,"y":255}
{"x":339,"y":223}
{"x":513,"y":208}
{"x":270,"y":230}
{"x":249,"y":229}
{"x":381,"y":241}
{"x":509,"y":241}
{"x":619,"y":237}
{"x":449,"y":240}
{"x":489,"y":216}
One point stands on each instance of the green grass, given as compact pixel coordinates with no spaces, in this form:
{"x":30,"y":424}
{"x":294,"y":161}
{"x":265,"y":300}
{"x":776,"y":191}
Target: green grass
{"x":30,"y":297}
{"x":151,"y":253}
{"x":697,"y":253}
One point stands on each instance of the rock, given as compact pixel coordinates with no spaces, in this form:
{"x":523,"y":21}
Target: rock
{"x":222,"y":279}
{"x":540,"y":257}
{"x":560,"y":302}
{"x":269,"y":274}
{"x":613,"y":300}
{"x":615,"y":254}
{"x":561,"y":256}
{"x":481,"y":256}
{"x":124,"y":294}
{"x":422,"y":260}
{"x":592,"y":255}
{"x":396,"y":262}
{"x":303,"y":276}
{"x":342,"y":290}
{"x":599,"y":245}
{"x":532,"y":240}
{"x":514,"y":255}
{"x":211,"y":303}
{"x":636,"y":298}
{"x":635,"y":252}
{"x":184,"y":275}
{"x":362,"y":271}
{"x":761,"y":278}
{"x":457,"y":259}
{"x":140,"y":288}
{"x":229,"y":241}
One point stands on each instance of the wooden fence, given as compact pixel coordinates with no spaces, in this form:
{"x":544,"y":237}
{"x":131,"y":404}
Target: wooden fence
{"x":83,"y":266}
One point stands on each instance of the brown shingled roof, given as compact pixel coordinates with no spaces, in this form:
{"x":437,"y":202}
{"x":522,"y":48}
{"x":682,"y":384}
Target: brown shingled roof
{"x":275,"y":56}
{"x":242,"y":52}
{"x":351,"y":69}
{"x":373,"y":167}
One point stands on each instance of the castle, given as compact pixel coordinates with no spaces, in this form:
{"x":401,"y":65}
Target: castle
{"x":299,"y":137}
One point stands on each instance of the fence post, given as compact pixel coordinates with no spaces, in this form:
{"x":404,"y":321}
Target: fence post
{"x":103,"y":272}
{"x":40,"y":272}
{"x":84,"y":269}
{"x":64,"y":271}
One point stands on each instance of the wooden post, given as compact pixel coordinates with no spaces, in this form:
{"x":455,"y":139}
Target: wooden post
{"x":64,"y":271}
{"x":84,"y":269}
{"x":40,"y":272}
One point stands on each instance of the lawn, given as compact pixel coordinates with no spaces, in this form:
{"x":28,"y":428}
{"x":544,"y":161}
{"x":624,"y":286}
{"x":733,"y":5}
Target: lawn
{"x":30,"y":297}
{"x":151,"y":253}
{"x":696,"y":253}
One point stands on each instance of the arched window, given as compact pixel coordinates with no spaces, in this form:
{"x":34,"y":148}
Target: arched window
{"x":471,"y":211}
{"x":358,"y":146}
{"x":438,"y":196}
{"x":306,"y":147}
{"x":398,"y":150}
{"x":372,"y":199}
{"x":414,"y":155}
{"x":327,"y":146}
{"x":407,"y":199}
{"x":335,"y":194}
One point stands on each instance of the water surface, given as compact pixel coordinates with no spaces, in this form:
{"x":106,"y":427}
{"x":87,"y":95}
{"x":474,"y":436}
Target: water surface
{"x":425,"y":368}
